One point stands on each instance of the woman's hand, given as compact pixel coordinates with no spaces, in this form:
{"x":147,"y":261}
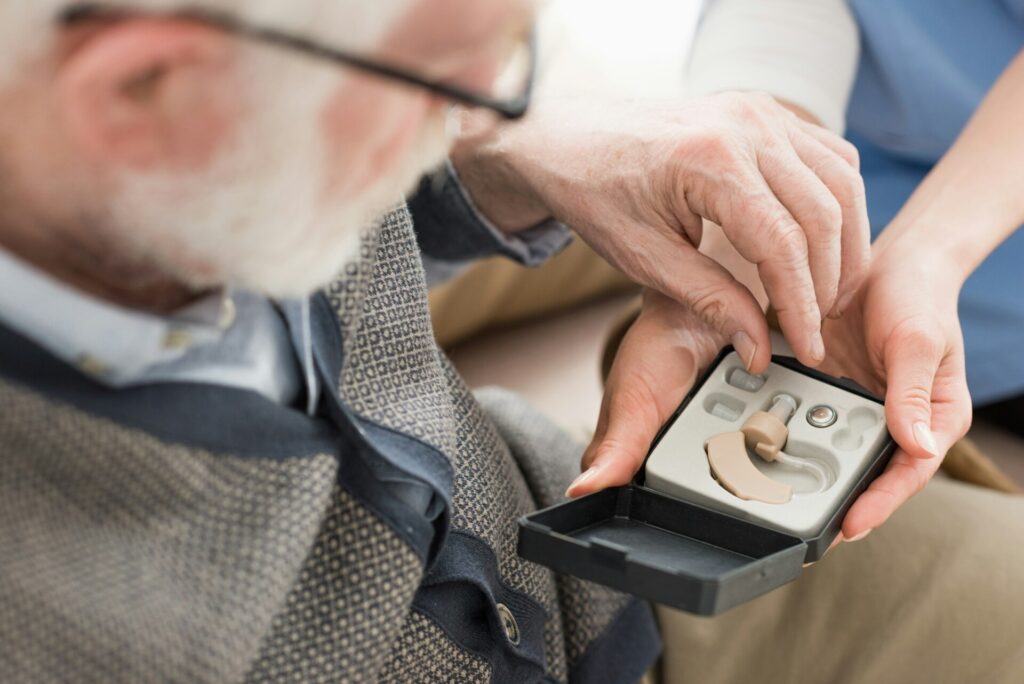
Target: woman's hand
{"x":634,"y":179}
{"x":901,"y":338}
{"x":657,"y":363}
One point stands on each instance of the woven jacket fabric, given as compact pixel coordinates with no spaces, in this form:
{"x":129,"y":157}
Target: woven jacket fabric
{"x":195,"y":533}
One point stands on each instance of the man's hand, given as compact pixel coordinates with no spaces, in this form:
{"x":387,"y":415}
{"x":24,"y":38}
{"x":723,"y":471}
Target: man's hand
{"x":901,"y":338}
{"x":635,"y":179}
{"x":657,"y":363}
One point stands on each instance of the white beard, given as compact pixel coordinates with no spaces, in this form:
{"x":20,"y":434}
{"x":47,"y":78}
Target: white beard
{"x":259,"y":219}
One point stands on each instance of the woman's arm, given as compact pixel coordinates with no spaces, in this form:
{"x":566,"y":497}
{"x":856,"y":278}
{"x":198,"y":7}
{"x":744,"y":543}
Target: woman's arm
{"x":902,"y":335}
{"x":974,"y":197}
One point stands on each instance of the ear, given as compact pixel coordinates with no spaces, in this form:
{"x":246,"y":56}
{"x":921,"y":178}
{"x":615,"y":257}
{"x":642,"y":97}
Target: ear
{"x":150,"y":94}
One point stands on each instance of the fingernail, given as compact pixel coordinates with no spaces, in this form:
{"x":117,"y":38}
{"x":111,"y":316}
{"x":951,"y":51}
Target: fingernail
{"x":580,"y":479}
{"x":817,"y":347}
{"x":860,"y":536}
{"x":925,"y":438}
{"x":745,"y":347}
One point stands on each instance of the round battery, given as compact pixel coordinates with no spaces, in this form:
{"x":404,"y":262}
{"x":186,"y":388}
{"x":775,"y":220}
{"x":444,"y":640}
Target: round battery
{"x":822,"y":416}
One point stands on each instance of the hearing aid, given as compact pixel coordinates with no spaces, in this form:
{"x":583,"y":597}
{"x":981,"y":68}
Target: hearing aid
{"x":727,"y":455}
{"x":765,"y":433}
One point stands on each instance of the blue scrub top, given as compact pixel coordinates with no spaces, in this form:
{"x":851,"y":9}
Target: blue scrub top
{"x":925,"y":67}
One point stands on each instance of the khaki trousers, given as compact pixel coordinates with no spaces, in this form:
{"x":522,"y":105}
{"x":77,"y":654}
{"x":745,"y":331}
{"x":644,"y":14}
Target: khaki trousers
{"x":498,"y":292}
{"x":934,"y":595}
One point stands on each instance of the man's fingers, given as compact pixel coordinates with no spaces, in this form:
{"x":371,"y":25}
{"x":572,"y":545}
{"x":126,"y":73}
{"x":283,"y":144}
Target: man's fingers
{"x":845,"y":149}
{"x":847,"y":187}
{"x":718,"y":299}
{"x":765,"y":233}
{"x":904,"y":477}
{"x":912,"y":358}
{"x":818,"y":213}
{"x":666,"y":260}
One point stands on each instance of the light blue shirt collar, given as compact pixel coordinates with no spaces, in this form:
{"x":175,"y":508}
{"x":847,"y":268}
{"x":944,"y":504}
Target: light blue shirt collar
{"x":232,"y":338}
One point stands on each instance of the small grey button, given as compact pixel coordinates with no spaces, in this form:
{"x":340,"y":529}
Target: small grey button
{"x":508,"y":623}
{"x":822,"y":416}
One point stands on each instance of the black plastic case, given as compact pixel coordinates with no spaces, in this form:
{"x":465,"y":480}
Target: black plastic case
{"x":678,"y":553}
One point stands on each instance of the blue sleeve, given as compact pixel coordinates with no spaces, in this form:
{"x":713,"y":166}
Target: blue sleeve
{"x":450,"y":229}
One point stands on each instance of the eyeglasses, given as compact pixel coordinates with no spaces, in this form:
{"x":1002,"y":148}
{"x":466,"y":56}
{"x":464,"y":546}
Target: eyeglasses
{"x":510,"y":95}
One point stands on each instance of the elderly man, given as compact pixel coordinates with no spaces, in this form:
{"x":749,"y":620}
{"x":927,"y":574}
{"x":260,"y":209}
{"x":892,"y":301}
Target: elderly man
{"x":229,"y":446}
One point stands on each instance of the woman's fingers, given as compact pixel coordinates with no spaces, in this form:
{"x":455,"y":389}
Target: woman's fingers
{"x":912,"y":357}
{"x":904,"y":477}
{"x":906,"y":474}
{"x":656,"y":365}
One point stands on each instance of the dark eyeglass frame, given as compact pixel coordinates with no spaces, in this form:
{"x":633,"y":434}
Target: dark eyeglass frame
{"x":512,"y":108}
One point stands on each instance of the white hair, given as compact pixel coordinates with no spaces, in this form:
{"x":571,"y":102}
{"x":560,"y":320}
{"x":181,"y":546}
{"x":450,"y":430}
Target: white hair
{"x":259,"y":215}
{"x":27,"y":27}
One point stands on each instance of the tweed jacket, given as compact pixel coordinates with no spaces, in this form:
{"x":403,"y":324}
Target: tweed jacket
{"x":197,"y":533}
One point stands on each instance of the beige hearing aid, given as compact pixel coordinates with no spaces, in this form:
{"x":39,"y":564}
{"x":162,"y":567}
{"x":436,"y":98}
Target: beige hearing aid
{"x":731,"y":465}
{"x":765,"y":433}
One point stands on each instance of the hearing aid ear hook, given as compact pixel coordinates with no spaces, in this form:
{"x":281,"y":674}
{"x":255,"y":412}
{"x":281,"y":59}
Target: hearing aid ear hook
{"x":765,"y":432}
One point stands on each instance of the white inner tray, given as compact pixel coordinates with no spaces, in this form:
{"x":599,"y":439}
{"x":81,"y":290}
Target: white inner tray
{"x":679,"y":464}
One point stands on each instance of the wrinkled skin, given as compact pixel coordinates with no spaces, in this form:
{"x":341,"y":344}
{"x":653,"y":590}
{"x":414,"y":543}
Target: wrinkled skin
{"x":635,"y":179}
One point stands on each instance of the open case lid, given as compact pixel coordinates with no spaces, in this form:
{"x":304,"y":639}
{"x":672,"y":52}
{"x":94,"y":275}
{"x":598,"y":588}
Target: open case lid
{"x":674,"y":552}
{"x":662,"y":549}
